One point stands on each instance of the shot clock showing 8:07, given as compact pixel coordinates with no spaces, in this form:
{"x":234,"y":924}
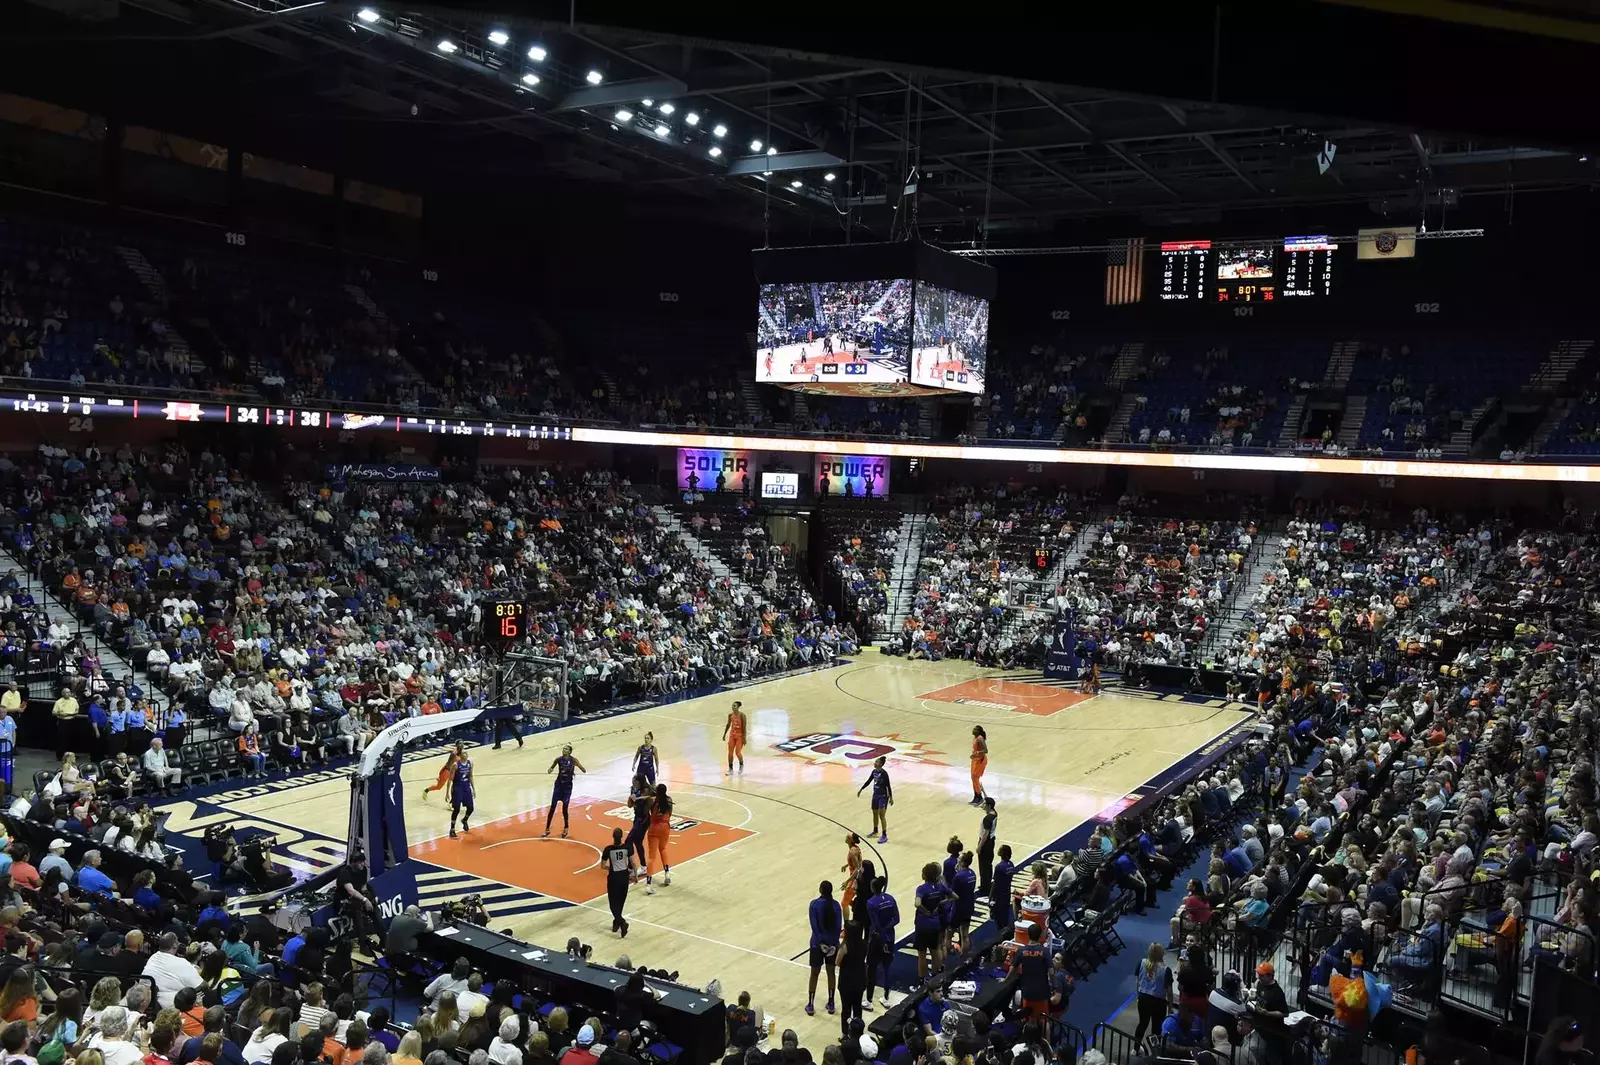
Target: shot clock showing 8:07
{"x":503,"y":623}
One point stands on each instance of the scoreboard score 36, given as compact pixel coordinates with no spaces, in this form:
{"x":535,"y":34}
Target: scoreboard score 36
{"x":503,"y":623}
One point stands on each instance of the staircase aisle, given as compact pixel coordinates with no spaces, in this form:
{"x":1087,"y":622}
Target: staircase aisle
{"x":749,"y":397}
{"x":1264,"y":558}
{"x":911,"y":541}
{"x":114,"y":664}
{"x":1341,"y":364}
{"x":1289,"y":435}
{"x":1117,"y":427}
{"x":1350,"y":423}
{"x":365,"y":301}
{"x":156,"y":286}
{"x":669,"y":522}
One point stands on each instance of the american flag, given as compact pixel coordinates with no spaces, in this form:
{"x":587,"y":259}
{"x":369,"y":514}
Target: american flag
{"x":1125,"y":271}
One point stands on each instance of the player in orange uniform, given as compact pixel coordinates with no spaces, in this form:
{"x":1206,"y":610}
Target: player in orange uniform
{"x":851,"y":868}
{"x":446,"y":773}
{"x":980,"y":762}
{"x":733,"y":731}
{"x":656,"y":840}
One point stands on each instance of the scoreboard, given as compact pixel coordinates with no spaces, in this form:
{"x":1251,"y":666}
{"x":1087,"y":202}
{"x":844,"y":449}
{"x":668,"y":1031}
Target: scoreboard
{"x":1308,"y":266}
{"x":1185,"y":268}
{"x":504,"y":623}
{"x":1247,"y":271}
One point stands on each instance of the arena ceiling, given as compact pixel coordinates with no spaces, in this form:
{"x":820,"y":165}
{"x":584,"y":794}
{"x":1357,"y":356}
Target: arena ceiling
{"x":1160,"y":124}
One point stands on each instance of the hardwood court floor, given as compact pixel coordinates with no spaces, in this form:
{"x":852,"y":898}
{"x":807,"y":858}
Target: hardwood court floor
{"x":750,"y":849}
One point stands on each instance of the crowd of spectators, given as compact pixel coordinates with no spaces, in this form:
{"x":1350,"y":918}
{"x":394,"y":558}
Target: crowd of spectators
{"x":1151,"y":582}
{"x":863,"y":538}
{"x":982,"y":556}
{"x":295,"y":617}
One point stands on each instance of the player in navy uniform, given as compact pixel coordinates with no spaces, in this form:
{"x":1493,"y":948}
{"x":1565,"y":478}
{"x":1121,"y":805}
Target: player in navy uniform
{"x":644,"y":759}
{"x":642,"y":798}
{"x":883,"y":914}
{"x":461,"y":795}
{"x":617,"y":861}
{"x":1000,"y":890}
{"x":882,"y":798}
{"x":561,"y":794}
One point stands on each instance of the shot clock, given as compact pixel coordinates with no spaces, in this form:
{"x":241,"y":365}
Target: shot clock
{"x":504,"y":623}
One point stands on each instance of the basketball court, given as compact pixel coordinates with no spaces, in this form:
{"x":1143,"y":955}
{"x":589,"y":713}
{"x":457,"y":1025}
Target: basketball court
{"x":799,"y":362}
{"x":748,"y":850}
{"x":931,"y":365}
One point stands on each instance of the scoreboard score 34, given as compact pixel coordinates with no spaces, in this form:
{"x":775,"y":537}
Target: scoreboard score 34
{"x":504,"y":623}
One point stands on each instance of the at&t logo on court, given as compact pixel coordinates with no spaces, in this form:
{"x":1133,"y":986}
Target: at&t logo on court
{"x":854,"y":749}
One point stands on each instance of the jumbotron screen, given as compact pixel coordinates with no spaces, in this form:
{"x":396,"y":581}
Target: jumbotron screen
{"x":1244,"y":274}
{"x":834,"y":331}
{"x":949,"y":339}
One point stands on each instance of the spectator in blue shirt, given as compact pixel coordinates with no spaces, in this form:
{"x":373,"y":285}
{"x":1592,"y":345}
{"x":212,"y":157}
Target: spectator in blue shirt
{"x":930,"y":1011}
{"x":144,"y":891}
{"x":1185,"y":1028}
{"x":92,"y":880}
{"x":1253,"y":910}
{"x":99,"y":721}
{"x":1323,"y":823}
{"x":214,"y":912}
{"x":291,"y":949}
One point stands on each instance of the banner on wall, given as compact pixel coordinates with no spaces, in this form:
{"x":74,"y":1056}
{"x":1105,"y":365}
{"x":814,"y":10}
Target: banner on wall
{"x":864,"y":474}
{"x":373,"y":471}
{"x":1062,"y":661}
{"x":705,"y":463}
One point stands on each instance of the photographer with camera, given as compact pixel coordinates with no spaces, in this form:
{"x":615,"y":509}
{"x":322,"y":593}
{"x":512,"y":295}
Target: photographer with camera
{"x":356,"y":900}
{"x":221,"y":849}
{"x":474,"y":912}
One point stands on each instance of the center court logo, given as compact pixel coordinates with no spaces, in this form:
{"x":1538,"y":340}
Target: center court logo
{"x":854,"y":749}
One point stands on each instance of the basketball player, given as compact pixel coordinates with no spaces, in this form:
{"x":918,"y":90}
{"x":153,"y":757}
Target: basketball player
{"x":641,"y":797}
{"x":644,"y":759}
{"x":929,"y":921}
{"x":769,"y":361}
{"x":980,"y":762}
{"x":1000,"y":890}
{"x":659,"y":836}
{"x":617,"y":861}
{"x":826,"y":924}
{"x":851,"y":868}
{"x":966,"y":888}
{"x":561,"y":794}
{"x":733,"y":732}
{"x":883,"y":914}
{"x":445,"y":773}
{"x":461,"y":795}
{"x":882,"y":798}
